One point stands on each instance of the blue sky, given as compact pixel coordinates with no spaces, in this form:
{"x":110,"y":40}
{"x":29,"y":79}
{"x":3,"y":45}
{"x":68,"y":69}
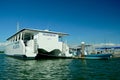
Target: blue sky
{"x":91,"y":21}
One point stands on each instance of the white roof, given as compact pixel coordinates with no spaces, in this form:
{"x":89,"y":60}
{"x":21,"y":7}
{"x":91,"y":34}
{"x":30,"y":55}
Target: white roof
{"x":35,"y":30}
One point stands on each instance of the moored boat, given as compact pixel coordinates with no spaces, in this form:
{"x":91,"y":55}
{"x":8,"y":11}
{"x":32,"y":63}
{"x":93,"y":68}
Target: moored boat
{"x":85,"y":55}
{"x":27,"y":43}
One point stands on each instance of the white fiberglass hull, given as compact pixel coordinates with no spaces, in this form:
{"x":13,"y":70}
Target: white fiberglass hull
{"x":18,"y":49}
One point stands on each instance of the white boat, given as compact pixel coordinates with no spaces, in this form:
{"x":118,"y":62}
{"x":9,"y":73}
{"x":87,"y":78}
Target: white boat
{"x":27,"y":42}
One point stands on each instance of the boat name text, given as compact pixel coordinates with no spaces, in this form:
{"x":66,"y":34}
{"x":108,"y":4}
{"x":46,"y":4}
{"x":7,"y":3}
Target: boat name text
{"x":47,"y":34}
{"x":16,"y":45}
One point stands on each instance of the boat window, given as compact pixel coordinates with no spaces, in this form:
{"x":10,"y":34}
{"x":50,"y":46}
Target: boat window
{"x":60,"y":38}
{"x":16,"y":38}
{"x":19,"y":37}
{"x":27,"y":37}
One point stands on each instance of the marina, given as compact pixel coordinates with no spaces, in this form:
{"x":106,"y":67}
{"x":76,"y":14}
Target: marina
{"x":59,"y":40}
{"x":38,"y":44}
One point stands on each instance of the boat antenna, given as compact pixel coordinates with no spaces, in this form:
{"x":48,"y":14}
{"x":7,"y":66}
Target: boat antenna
{"x":18,"y":26}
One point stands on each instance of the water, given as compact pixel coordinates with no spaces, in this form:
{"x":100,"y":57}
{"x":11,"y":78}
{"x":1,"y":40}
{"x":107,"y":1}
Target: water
{"x":59,"y":69}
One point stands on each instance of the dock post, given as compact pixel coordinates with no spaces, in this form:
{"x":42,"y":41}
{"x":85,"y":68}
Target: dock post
{"x":82,"y":48}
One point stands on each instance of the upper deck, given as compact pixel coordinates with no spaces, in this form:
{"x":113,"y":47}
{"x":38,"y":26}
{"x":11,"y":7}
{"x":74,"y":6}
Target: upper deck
{"x":18,"y":34}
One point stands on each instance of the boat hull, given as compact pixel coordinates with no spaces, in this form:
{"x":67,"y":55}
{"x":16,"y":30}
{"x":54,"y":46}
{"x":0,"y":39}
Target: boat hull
{"x":98,"y":56}
{"x":22,"y":57}
{"x":47,"y":56}
{"x":54,"y":54}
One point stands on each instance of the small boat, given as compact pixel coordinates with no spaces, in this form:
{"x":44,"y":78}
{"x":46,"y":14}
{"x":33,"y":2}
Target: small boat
{"x":85,"y":55}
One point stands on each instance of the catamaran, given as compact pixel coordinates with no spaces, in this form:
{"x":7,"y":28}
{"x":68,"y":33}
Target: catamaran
{"x":33,"y":43}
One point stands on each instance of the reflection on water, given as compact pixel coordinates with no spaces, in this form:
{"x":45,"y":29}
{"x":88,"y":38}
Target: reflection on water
{"x":59,"y":69}
{"x":33,"y":69}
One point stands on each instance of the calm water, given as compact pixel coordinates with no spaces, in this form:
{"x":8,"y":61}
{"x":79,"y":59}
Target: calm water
{"x":59,"y":69}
